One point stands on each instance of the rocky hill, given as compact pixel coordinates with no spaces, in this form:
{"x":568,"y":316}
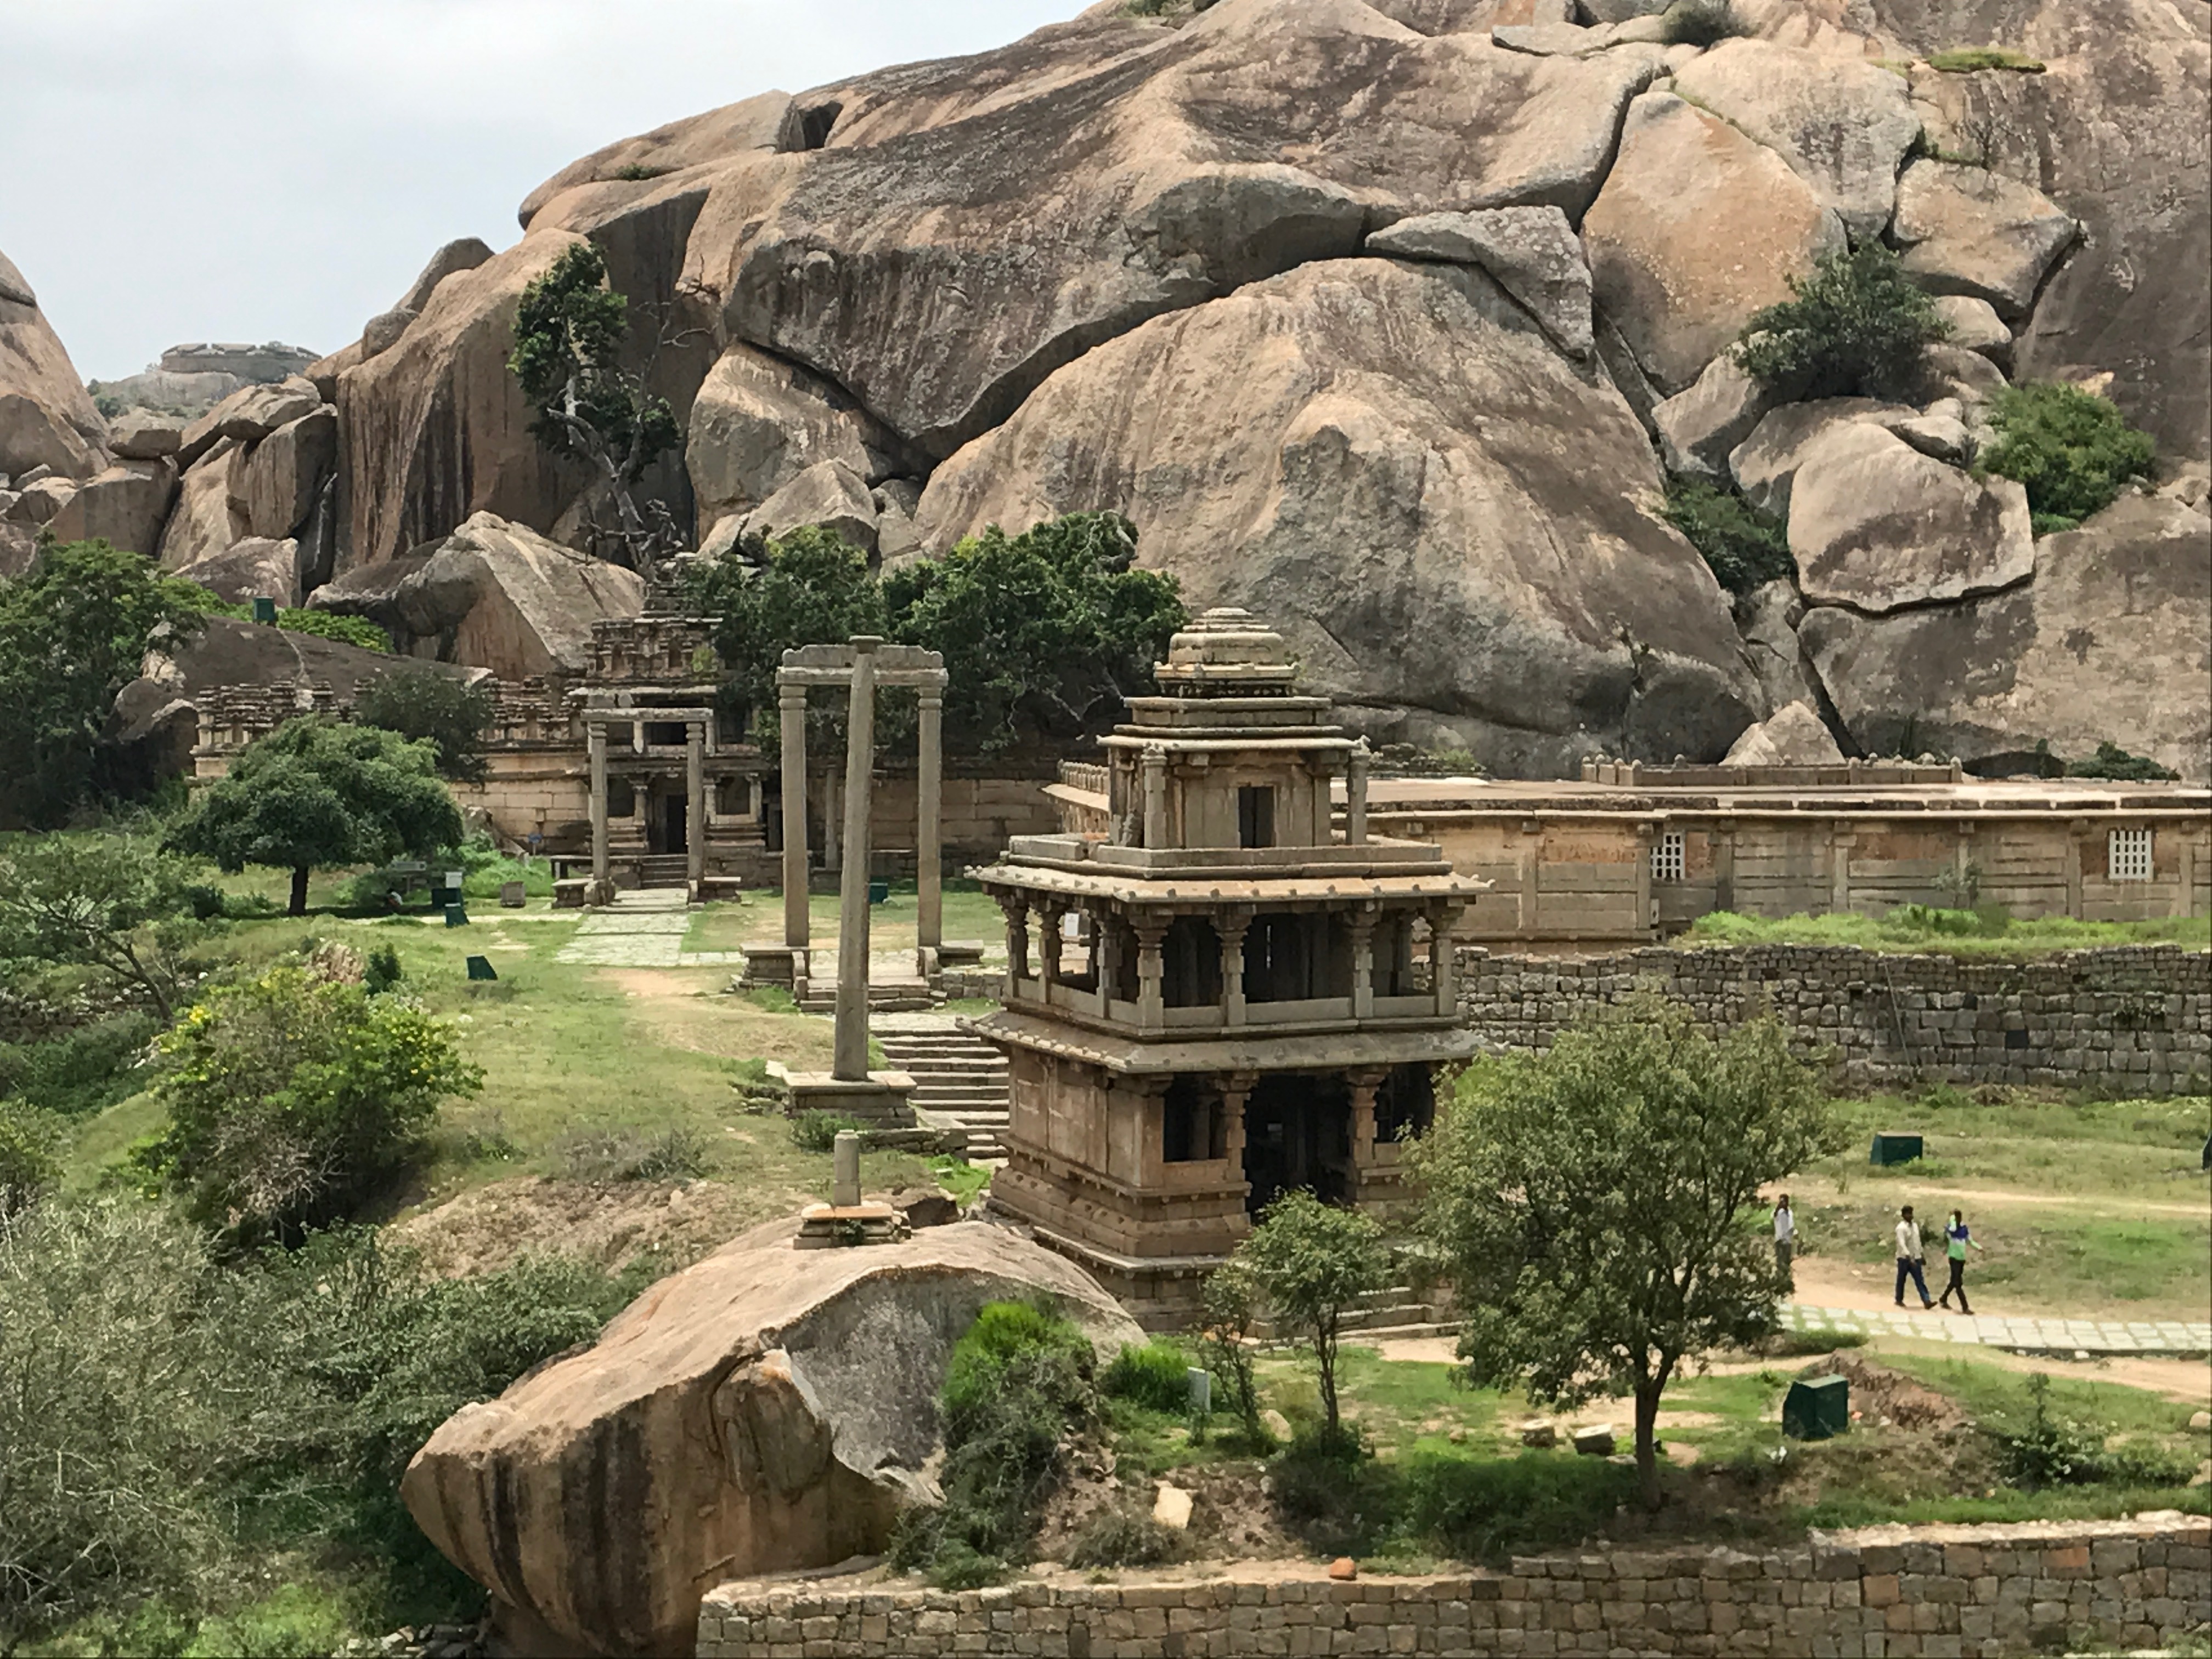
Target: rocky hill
{"x":1381,"y":320}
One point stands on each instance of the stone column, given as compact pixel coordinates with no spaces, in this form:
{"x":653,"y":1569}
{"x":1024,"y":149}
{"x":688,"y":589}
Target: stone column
{"x":791,"y":712}
{"x":1230,"y":925}
{"x":1048,"y":915}
{"x":1151,"y":998}
{"x":845,"y":1170}
{"x":851,"y":1062}
{"x":1017,"y":913}
{"x":929,"y":830}
{"x":1364,"y":1082}
{"x":1236,"y":1089}
{"x":1355,"y":796}
{"x":1444,"y":922}
{"x":595,"y":745}
{"x":1362,"y":922}
{"x":1156,"y":796}
{"x":695,"y":810}
{"x":1106,"y":932}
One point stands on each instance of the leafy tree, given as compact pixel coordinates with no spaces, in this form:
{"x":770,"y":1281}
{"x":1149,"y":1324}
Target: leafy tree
{"x":809,"y":587}
{"x":1038,"y":630}
{"x":29,"y":1141}
{"x":1595,"y":1202}
{"x":314,"y":791}
{"x":74,"y":629}
{"x":1742,"y":546}
{"x":1310,"y":1263}
{"x":113,"y":903}
{"x":1858,"y":325}
{"x":569,"y":335}
{"x":422,"y":705}
{"x":292,"y":1099}
{"x":2071,"y":449}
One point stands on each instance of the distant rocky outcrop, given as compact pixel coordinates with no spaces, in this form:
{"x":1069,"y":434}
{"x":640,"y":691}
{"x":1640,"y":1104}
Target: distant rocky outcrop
{"x":766,"y":1409}
{"x":191,"y":379}
{"x":46,"y":417}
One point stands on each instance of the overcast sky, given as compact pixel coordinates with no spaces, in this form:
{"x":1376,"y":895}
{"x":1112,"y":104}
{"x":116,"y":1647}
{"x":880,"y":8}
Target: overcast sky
{"x":176,"y":170}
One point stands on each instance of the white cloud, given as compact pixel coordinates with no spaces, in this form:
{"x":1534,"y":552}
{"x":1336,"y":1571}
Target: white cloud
{"x":279,"y":169}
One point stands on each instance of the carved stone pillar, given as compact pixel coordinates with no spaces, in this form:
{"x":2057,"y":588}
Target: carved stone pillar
{"x":1362,"y":921}
{"x":853,"y":918}
{"x":1365,"y":1081}
{"x":1156,"y":796}
{"x":595,"y":743}
{"x":1355,"y":795}
{"x":695,"y":790}
{"x":1108,"y":931}
{"x":1017,"y":913}
{"x":1230,"y":925}
{"x":1049,"y":924}
{"x":791,"y":711}
{"x":929,"y":828}
{"x":1236,"y":1089}
{"x":1152,"y":998}
{"x":1444,"y":922}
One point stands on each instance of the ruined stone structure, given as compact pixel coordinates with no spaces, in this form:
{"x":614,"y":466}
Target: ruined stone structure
{"x":1221,"y":1000}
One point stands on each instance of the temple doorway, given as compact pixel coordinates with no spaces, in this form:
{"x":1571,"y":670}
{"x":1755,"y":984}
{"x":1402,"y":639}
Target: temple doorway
{"x":666,"y":824}
{"x":1298,"y":1132}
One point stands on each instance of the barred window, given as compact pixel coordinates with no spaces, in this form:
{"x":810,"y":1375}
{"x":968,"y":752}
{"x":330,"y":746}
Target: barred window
{"x":2127,"y":855}
{"x":1666,"y":857}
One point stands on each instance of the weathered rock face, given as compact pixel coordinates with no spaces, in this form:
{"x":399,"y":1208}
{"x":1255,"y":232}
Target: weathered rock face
{"x":1765,"y":464}
{"x":1699,"y":428}
{"x":828,"y":494}
{"x":250,"y":414}
{"x":1844,"y":126}
{"x":1792,"y":736}
{"x":494,"y":595}
{"x":2113,"y":641}
{"x":1975,"y":325}
{"x":435,"y":429}
{"x":1875,"y":524}
{"x":46,"y":417}
{"x":126,"y":504}
{"x":766,"y":1409}
{"x":1767,"y":617}
{"x":1698,"y":228}
{"x":203,"y":521}
{"x":758,"y":423}
{"x":256,"y":567}
{"x":1532,"y":253}
{"x":1393,"y":492}
{"x":282,"y":474}
{"x":734,"y":130}
{"x":1967,"y":230}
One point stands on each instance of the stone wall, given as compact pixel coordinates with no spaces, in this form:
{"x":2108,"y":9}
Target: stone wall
{"x":1897,"y":1592}
{"x":2132,"y":1019}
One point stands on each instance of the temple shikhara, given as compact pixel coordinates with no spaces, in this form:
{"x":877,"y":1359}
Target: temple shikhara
{"x":1217,"y":999}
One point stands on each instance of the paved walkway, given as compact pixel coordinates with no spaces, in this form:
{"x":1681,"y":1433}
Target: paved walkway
{"x":2095,"y":1336}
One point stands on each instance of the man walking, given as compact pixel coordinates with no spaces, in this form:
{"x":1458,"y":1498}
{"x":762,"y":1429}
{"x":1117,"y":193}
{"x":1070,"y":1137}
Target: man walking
{"x":1785,"y":1234}
{"x":1910,"y":1256}
{"x":1957,"y":1241}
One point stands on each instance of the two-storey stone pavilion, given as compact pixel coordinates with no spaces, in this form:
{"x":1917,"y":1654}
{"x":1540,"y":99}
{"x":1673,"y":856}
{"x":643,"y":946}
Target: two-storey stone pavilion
{"x":1217,"y":1000}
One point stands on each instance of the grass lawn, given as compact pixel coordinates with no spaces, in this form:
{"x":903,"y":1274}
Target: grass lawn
{"x":1914,"y":928}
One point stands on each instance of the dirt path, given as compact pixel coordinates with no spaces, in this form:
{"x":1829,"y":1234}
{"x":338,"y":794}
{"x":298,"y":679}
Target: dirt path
{"x":1968,"y":1196}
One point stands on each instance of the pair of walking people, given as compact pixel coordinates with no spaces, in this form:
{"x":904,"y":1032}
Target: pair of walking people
{"x":1911,"y":1256}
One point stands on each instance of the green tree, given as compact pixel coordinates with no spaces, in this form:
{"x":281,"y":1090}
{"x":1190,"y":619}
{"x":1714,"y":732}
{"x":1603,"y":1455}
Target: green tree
{"x":74,"y":629}
{"x":422,"y":705}
{"x":1742,"y":546}
{"x":1040,"y":631}
{"x":2071,"y":449}
{"x":1856,"y":326}
{"x":291,"y":1099}
{"x":1310,"y":1263}
{"x":315,"y":792}
{"x":809,"y":587}
{"x":569,"y":333}
{"x":1595,"y":1204}
{"x":30,"y":1141}
{"x":111,"y":903}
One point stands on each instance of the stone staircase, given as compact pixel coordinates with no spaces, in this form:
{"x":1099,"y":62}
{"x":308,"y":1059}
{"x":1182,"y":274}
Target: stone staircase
{"x":957,"y":1079}
{"x":1395,"y":1310}
{"x":894,"y":996}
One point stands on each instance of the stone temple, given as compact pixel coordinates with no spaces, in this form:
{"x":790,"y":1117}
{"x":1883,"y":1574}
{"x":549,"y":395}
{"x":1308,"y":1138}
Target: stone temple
{"x":1217,"y":1000}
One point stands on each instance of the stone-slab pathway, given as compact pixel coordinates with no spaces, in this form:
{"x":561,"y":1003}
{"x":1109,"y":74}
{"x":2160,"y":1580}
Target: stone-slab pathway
{"x":643,"y":928}
{"x":2095,"y":1336}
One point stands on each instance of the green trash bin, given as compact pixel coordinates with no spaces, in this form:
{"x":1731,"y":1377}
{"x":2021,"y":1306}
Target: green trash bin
{"x":1817,"y":1407}
{"x":481,"y":967}
{"x":1890,"y":1147}
{"x":879,"y":892}
{"x":456,"y":916}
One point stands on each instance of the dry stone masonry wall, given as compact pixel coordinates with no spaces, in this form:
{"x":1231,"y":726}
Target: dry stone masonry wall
{"x":1900,"y":1593}
{"x":2136,"y":1019}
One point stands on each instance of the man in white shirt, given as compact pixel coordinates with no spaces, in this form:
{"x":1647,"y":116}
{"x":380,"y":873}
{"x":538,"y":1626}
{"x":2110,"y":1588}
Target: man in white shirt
{"x":1785,"y":1235}
{"x":1910,"y":1256}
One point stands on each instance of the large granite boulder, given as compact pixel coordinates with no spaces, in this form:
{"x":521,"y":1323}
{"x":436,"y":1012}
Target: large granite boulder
{"x":259,"y":566}
{"x":1764,"y":465}
{"x":766,"y":1409}
{"x":1967,"y":230}
{"x":282,"y":477}
{"x":492,"y":595}
{"x":1767,"y":617}
{"x":1532,"y":253}
{"x":435,"y":428}
{"x":1449,"y":520}
{"x":203,"y":521}
{"x":46,"y":417}
{"x":1699,"y":428}
{"x":1698,"y":228}
{"x":126,"y":504}
{"x":2112,"y":641}
{"x":1791,"y":736}
{"x":1875,"y":524}
{"x":748,"y":124}
{"x":828,"y":494}
{"x":249,"y":415}
{"x":1844,"y":125}
{"x":758,"y":423}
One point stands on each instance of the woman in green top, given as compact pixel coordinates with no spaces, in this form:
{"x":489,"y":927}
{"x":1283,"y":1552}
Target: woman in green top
{"x":1957,"y":1242}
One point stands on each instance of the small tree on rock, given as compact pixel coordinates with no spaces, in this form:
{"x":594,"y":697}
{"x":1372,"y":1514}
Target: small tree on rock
{"x":1311,"y":1263}
{"x":1858,"y":325}
{"x":317,"y":793}
{"x":569,"y":335}
{"x":1594,"y":1204}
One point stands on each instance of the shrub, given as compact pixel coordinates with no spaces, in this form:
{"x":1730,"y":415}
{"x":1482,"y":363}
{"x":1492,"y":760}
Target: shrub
{"x":605,"y":1155}
{"x":380,"y":969}
{"x":1125,"y":1537}
{"x":1699,"y":23}
{"x":1156,"y":1377}
{"x":291,"y":1100}
{"x":1230,"y":1309}
{"x":1480,"y":1508}
{"x":2047,"y":1449}
{"x":29,"y":1139}
{"x":1310,"y":1263}
{"x":421,"y":704}
{"x":1965,"y":60}
{"x":2068,"y":448}
{"x":1856,"y":326}
{"x":346,"y":630}
{"x":81,"y":1072}
{"x":814,"y":1131}
{"x":1017,"y":1382}
{"x":1742,"y":546}
{"x":2111,"y":761}
{"x":1327,"y":1490}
